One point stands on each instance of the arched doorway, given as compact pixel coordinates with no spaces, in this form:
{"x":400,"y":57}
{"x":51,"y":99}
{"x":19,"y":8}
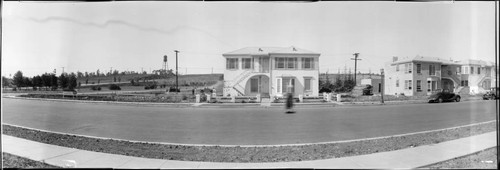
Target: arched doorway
{"x":447,"y":84}
{"x":257,"y":84}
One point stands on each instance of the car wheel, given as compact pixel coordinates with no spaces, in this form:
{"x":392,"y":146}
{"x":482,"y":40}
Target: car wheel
{"x":439,"y":100}
{"x":457,"y":99}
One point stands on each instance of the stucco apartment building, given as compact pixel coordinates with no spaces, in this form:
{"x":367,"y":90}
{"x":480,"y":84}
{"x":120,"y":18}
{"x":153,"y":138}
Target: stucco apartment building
{"x":271,"y":71}
{"x":422,"y":75}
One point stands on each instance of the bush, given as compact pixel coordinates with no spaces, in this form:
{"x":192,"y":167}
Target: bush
{"x":98,"y":88}
{"x":173,"y":89}
{"x":114,"y":87}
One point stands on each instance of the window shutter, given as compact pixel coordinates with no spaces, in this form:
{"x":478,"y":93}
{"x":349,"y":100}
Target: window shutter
{"x":295,"y":64}
{"x":312,"y":63}
{"x":227,"y":63}
{"x":302,"y":63}
{"x":278,"y":85}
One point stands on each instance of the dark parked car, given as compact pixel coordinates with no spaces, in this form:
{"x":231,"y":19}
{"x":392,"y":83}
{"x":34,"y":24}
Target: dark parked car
{"x":444,"y":95}
{"x":492,"y":94}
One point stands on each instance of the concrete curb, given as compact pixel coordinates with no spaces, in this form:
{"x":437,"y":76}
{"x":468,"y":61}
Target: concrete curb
{"x":234,"y":105}
{"x":399,"y":159}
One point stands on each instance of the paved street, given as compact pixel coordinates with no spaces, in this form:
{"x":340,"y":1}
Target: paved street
{"x":252,"y":126}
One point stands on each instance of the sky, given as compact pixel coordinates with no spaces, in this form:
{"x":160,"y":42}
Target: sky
{"x":38,"y":37}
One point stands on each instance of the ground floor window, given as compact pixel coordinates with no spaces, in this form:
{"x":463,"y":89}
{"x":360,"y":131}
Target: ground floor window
{"x":428,"y":85}
{"x":419,"y":85}
{"x":288,"y":85}
{"x":464,"y":83}
{"x":307,"y":84}
{"x":408,"y":84}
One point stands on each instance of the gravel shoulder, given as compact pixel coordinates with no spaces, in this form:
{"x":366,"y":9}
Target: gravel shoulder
{"x":486,"y":159}
{"x":247,"y":154}
{"x":13,"y":161}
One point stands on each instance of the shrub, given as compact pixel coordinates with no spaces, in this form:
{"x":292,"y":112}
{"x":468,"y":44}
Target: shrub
{"x":173,"y":89}
{"x":114,"y":87}
{"x":98,"y":88}
{"x":184,"y":97}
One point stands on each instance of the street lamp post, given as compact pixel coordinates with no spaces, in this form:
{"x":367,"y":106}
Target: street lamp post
{"x":382,"y":85}
{"x":176,"y":73}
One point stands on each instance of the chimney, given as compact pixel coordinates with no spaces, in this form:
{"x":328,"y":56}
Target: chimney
{"x":395,"y":58}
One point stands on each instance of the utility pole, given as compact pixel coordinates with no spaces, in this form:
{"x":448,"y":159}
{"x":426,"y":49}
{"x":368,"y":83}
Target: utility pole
{"x":176,"y":73}
{"x":382,"y":86}
{"x":355,"y":65}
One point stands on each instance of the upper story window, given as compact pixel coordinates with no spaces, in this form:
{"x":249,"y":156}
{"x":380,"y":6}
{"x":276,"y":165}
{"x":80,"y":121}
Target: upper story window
{"x":280,"y":62}
{"x":308,"y":63}
{"x":291,"y":63}
{"x":408,"y":67}
{"x":466,"y":70}
{"x":247,"y":63}
{"x":286,"y":63}
{"x":479,"y":70}
{"x":419,"y":68}
{"x":397,"y":67}
{"x":231,"y":63}
{"x":432,"y":70}
{"x":471,"y":70}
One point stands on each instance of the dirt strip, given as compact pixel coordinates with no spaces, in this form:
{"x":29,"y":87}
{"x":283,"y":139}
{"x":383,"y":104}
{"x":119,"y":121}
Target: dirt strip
{"x":247,"y":154}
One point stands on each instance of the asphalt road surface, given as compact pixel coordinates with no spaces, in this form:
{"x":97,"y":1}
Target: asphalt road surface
{"x":241,"y":126}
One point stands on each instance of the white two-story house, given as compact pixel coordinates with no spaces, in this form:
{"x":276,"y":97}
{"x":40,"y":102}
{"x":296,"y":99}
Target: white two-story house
{"x":271,"y":71}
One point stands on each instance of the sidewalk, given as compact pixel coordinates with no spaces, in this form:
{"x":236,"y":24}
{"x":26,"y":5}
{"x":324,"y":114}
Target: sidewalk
{"x":404,"y":158}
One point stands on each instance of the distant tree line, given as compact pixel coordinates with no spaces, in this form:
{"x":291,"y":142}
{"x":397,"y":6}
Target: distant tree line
{"x":341,"y":84}
{"x":47,"y":81}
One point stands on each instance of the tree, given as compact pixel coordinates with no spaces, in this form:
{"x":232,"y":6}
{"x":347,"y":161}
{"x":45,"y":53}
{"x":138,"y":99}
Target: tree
{"x":37,"y":81}
{"x":46,"y":80}
{"x":97,"y":72}
{"x":63,"y":81}
{"x":18,"y":79}
{"x":27,"y":82}
{"x":5,"y":82}
{"x":79,"y":74}
{"x":338,"y":86}
{"x":53,"y":81}
{"x":86,"y":74}
{"x":349,"y":84}
{"x":72,"y":81}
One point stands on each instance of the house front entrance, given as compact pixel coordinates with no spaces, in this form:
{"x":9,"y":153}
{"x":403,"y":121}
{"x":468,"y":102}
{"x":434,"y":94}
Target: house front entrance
{"x":258,"y":84}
